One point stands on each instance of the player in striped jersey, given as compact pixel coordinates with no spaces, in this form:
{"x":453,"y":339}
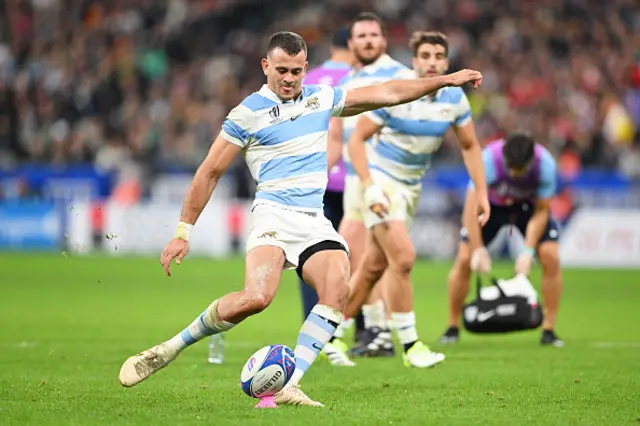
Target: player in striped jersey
{"x":368,"y":43}
{"x":282,"y":131}
{"x":409,"y":134}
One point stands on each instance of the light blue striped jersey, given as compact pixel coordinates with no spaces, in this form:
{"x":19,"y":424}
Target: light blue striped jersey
{"x":285,"y":143}
{"x":412,"y":132}
{"x":385,"y":68}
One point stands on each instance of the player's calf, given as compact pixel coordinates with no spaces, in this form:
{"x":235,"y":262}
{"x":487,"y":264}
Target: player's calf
{"x":263,"y":272}
{"x":457,"y":287}
{"x":549,"y":259}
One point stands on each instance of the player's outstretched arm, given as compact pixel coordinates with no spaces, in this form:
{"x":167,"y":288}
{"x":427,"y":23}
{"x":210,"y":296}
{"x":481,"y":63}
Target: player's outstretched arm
{"x":220,"y":156}
{"x":397,"y":92}
{"x":472,"y":156}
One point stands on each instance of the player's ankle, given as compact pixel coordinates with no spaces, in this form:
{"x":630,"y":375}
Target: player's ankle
{"x":409,"y":345}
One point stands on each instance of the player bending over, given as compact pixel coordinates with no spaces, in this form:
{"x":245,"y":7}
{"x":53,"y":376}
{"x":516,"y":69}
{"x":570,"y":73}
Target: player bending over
{"x":282,"y":130}
{"x":392,"y":182}
{"x":522,"y":179}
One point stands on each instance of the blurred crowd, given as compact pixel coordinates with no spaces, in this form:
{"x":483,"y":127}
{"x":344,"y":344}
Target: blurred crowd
{"x":141,"y":86}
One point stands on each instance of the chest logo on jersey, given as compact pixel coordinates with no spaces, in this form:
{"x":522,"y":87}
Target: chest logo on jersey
{"x":275,"y":115}
{"x":312,"y":103}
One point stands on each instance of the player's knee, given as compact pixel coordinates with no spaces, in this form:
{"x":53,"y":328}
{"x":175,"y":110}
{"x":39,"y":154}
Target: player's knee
{"x":462,"y":265}
{"x":549,"y":259}
{"x":373,"y":267}
{"x":256,"y":302}
{"x":404,"y":260}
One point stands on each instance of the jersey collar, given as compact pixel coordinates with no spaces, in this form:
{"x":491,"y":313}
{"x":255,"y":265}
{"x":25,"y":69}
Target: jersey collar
{"x":269,"y":94}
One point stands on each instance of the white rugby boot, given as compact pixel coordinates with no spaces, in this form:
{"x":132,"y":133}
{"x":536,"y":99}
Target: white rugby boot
{"x":292,"y":395}
{"x":141,"y":366}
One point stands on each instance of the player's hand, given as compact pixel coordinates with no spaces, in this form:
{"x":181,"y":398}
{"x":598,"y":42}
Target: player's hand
{"x":176,"y":249}
{"x":480,"y":261}
{"x":484,"y":210}
{"x":377,"y":200}
{"x":465,"y":76}
{"x":524,"y":262}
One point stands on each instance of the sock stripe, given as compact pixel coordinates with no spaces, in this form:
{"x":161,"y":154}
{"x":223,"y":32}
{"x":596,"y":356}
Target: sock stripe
{"x":302,"y":364}
{"x":308,"y":341}
{"x":318,"y":327}
{"x":187,"y":338}
{"x":315,"y":333}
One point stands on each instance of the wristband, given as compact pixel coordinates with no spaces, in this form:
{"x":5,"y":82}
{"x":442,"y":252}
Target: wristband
{"x":530,"y":251}
{"x":183,"y":232}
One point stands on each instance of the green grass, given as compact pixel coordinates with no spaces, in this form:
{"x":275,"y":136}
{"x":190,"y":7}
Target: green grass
{"x":67,"y":324}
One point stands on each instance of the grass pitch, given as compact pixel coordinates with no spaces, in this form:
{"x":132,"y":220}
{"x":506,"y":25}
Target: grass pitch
{"x":67,"y":324}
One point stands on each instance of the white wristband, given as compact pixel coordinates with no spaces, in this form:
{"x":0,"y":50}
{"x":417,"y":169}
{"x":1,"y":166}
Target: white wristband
{"x":183,"y":232}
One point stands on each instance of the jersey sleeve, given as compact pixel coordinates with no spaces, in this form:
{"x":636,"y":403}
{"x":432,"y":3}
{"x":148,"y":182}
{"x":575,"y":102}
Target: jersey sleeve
{"x":548,"y":176}
{"x":462,"y":111}
{"x":339,"y":98}
{"x":378,"y":116}
{"x":489,"y":169}
{"x":236,"y":125}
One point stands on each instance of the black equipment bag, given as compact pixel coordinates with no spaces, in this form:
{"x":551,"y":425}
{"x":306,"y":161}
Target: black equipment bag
{"x":503,"y":315}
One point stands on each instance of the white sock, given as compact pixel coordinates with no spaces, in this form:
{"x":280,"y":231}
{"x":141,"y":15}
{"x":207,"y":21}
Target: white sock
{"x":316,"y":331}
{"x":405,"y":324}
{"x":374,"y":315}
{"x":207,"y":324}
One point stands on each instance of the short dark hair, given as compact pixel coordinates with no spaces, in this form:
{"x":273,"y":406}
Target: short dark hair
{"x":518,"y":150}
{"x":291,"y":43}
{"x":367,"y":16}
{"x":418,"y":38}
{"x":341,"y":38}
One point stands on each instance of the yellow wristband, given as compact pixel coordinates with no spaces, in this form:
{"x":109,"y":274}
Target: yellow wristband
{"x":183,"y":232}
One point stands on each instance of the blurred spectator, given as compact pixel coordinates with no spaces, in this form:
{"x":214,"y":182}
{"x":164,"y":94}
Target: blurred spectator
{"x":143,"y":85}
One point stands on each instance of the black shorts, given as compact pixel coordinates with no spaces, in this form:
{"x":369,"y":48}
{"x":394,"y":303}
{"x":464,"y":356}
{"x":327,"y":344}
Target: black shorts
{"x":517,"y":216}
{"x":333,"y":207}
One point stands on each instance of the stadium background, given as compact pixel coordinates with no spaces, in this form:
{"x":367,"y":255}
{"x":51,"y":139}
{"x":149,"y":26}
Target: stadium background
{"x":106,"y":109}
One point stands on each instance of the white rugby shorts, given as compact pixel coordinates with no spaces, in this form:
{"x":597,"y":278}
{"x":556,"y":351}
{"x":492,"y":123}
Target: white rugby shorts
{"x":353,"y":199}
{"x":292,"y":230}
{"x":403,"y":201}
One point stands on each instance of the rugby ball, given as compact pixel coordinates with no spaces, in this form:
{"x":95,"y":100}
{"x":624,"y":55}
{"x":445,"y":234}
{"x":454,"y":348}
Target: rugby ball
{"x":267,"y":371}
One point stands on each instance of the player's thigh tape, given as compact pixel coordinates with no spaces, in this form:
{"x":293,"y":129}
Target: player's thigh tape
{"x":316,"y":248}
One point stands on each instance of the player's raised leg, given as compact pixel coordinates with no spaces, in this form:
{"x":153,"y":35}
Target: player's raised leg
{"x":548,"y":257}
{"x":457,"y":290}
{"x":325,"y":266}
{"x":394,"y":240}
{"x":262,"y":276}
